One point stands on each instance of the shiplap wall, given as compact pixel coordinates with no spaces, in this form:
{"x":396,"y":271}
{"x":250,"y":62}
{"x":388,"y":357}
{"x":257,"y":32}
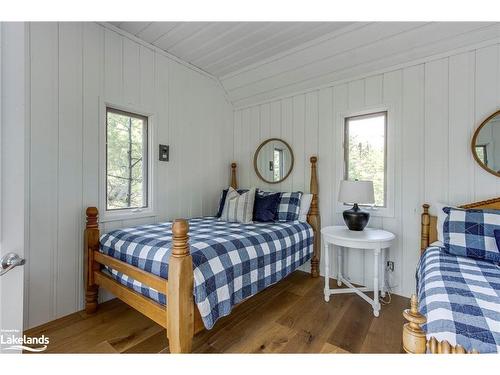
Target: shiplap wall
{"x":436,"y":105}
{"x":73,"y":67}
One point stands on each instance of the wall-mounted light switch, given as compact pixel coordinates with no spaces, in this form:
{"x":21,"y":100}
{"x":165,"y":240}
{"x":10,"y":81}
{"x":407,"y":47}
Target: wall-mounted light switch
{"x":164,"y":153}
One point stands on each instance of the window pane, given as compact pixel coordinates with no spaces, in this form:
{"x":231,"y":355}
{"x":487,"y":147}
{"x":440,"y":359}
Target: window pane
{"x":126,"y":154}
{"x":278,"y":164}
{"x":365,"y":152}
{"x":481,"y":154}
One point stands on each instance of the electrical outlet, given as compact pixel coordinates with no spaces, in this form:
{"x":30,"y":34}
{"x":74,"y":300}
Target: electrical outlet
{"x":390,"y":265}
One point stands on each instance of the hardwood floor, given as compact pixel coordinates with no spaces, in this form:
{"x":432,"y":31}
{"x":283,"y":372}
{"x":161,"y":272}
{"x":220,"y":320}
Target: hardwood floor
{"x":290,"y":317}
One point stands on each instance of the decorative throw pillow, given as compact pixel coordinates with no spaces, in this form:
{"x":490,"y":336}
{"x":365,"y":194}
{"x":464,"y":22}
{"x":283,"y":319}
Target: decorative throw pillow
{"x":231,"y":193}
{"x":265,"y":207}
{"x":305,"y":204}
{"x":497,"y":238}
{"x":470,"y":233}
{"x":441,"y":217}
{"x":238,"y":207}
{"x":289,"y":207}
{"x":222,"y":199}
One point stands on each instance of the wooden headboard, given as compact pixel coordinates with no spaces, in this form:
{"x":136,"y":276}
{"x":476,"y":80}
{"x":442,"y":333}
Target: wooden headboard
{"x":428,"y":234}
{"x":313,"y":216}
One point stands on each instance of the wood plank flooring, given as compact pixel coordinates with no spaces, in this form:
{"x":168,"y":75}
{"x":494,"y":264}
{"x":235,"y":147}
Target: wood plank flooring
{"x":290,"y":317}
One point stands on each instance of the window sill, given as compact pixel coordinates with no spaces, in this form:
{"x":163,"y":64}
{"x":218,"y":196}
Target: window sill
{"x":110,"y":216}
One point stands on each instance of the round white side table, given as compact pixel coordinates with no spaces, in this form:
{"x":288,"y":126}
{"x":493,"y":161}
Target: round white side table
{"x":375,"y":240}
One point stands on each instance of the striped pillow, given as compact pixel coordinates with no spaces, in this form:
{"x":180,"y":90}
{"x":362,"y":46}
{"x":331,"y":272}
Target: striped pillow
{"x":238,"y":208}
{"x":222,"y":199}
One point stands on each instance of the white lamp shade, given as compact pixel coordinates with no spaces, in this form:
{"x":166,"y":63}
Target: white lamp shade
{"x":356,"y":192}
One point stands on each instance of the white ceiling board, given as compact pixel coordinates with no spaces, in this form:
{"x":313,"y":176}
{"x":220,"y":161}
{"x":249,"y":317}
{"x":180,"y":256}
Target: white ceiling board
{"x":241,"y":42}
{"x":259,"y":61}
{"x":315,"y":51}
{"x":283,"y":40}
{"x":180,"y":32}
{"x":133,"y":27}
{"x":458,"y":44}
{"x":155,"y":30}
{"x":225,"y":47}
{"x":219,"y":41}
{"x":201,"y":38}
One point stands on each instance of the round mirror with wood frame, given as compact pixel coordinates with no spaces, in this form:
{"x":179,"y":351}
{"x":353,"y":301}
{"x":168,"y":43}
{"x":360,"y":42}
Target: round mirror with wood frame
{"x":273,"y":161}
{"x":485,"y":145}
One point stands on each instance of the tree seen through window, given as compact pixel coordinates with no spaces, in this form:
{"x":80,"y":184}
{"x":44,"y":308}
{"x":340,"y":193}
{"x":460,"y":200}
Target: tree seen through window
{"x":365,"y":152}
{"x":126,"y":160}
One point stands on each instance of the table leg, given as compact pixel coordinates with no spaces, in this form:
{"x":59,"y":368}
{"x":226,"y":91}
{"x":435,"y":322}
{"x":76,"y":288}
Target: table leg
{"x":327,"y":272}
{"x":339,"y":265}
{"x":382,"y":269}
{"x":376,"y":303}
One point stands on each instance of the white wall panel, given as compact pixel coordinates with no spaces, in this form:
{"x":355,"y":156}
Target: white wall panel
{"x":436,"y":131}
{"x":70,"y":178}
{"x":434,"y":108}
{"x":41,"y":265}
{"x":412,"y":173}
{"x":75,"y":66}
{"x":487,"y":95}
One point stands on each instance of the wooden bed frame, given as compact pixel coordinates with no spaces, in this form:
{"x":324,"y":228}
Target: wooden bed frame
{"x":181,"y":318}
{"x":414,"y":338}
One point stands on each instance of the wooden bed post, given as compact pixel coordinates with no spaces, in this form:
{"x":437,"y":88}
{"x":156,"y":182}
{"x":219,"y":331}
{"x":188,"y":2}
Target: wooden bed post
{"x":234,"y":183}
{"x":180,"y":302}
{"x":313,"y":218}
{"x":426,"y":221}
{"x":414,"y":340}
{"x":91,"y":244}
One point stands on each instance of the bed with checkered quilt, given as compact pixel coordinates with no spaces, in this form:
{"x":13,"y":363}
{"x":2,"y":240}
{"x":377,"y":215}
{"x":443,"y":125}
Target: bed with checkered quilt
{"x":231,"y":261}
{"x":460,"y":297}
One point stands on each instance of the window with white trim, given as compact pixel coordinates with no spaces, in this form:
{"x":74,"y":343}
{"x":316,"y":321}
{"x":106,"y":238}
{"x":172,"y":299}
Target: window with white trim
{"x":127,"y":169}
{"x":365,"y":152}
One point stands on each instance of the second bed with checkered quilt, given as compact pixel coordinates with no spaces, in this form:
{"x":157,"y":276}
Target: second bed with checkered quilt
{"x":231,"y":261}
{"x":460,"y":298}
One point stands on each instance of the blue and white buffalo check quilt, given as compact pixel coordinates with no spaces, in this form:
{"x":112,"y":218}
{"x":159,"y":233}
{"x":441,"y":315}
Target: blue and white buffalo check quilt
{"x":231,"y":261}
{"x":461,"y":299}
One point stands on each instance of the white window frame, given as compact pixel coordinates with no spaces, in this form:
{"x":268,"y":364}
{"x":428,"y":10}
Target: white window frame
{"x":390,"y":141}
{"x":106,"y":215}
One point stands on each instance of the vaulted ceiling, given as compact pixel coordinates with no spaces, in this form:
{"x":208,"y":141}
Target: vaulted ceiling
{"x":259,"y":61}
{"x":221,"y":48}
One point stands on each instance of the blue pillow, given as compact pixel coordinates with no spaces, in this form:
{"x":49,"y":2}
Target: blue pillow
{"x":222,"y":200}
{"x":470,"y":233}
{"x":265,"y":206}
{"x":289,"y":207}
{"x":497,"y":238}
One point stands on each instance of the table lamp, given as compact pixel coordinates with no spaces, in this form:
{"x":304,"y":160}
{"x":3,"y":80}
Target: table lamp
{"x":356,"y":192}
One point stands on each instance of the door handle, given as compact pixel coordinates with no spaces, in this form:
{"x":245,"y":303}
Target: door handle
{"x":9,"y":261}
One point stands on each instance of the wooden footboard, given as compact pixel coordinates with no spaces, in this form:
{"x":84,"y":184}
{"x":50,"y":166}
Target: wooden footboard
{"x":414,"y":337}
{"x":181,"y":319}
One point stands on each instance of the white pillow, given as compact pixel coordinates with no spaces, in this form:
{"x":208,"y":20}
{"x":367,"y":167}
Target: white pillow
{"x":239,"y":208}
{"x":437,"y":243}
{"x":305,"y":204}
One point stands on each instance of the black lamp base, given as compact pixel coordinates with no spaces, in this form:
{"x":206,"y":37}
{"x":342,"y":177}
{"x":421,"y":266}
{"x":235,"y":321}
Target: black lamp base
{"x":355,"y":219}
